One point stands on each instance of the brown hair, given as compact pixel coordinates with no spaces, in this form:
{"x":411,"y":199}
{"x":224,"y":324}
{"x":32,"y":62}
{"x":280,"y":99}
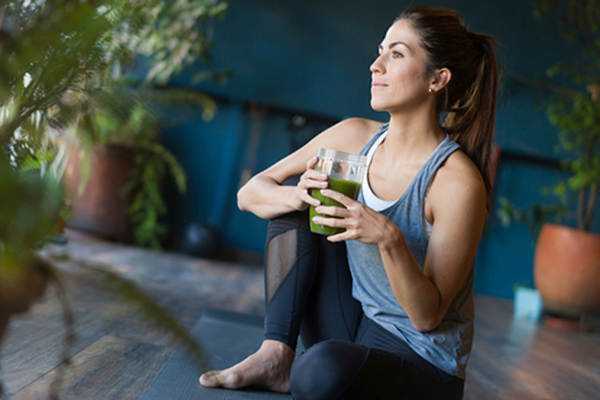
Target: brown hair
{"x":469,"y":99}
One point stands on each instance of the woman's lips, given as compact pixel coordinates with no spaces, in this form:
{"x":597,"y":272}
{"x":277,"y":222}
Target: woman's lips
{"x":378,"y":85}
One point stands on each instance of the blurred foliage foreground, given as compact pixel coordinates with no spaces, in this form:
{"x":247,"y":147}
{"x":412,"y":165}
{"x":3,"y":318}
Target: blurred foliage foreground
{"x":66,"y":75}
{"x":77,"y":76}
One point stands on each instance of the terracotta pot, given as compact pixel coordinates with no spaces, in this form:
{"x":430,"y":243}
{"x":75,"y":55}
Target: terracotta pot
{"x":567,"y":270}
{"x":101,"y":209}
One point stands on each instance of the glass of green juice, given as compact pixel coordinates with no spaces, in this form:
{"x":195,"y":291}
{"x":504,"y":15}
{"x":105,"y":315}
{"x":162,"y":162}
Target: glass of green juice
{"x":345,"y":172}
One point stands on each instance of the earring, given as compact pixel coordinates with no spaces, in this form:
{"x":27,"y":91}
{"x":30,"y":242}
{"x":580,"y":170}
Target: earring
{"x":430,"y":90}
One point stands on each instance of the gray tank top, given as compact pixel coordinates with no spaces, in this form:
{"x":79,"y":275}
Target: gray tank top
{"x":449,"y":345}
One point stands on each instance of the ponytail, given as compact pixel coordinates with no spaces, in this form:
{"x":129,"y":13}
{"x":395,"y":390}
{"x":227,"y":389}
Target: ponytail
{"x":469,"y":99}
{"x":471,"y":122}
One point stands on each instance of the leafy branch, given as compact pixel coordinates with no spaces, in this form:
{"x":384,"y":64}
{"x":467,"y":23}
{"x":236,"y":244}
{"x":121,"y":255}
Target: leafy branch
{"x":575,"y":110}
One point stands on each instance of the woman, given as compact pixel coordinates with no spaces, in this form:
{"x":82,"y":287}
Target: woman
{"x":400,"y":323}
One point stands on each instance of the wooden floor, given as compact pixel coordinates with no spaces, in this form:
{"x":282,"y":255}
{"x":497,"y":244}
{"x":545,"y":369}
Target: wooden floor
{"x":116,"y":354}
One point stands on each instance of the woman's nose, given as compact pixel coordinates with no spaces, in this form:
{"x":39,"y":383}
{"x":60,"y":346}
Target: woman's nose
{"x":377,"y":65}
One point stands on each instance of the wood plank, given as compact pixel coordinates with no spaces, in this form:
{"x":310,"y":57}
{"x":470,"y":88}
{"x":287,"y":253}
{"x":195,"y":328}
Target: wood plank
{"x":34,"y":343}
{"x":111,"y":368}
{"x":520,"y":359}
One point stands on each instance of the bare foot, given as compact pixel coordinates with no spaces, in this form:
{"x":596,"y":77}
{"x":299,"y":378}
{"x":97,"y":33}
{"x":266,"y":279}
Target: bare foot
{"x":268,"y":368}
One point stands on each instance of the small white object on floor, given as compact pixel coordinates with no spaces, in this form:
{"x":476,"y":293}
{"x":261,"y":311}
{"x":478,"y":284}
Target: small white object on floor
{"x":528,"y":304}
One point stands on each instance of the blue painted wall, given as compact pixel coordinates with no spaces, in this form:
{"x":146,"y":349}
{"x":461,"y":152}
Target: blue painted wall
{"x":312,"y":58}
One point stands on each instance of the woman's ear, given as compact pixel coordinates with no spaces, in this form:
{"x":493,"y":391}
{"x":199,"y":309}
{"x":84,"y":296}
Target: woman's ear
{"x":440,"y":79}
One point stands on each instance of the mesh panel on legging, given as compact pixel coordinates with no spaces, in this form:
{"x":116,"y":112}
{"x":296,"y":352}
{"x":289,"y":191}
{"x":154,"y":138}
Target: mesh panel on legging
{"x":291,"y":257}
{"x":287,"y":240}
{"x":280,"y":258}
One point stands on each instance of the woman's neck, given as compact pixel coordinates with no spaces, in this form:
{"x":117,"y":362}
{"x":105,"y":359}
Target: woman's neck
{"x":413,"y":136}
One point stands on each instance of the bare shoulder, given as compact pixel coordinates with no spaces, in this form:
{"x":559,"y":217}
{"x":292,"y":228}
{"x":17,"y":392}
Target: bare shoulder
{"x":458,"y":179}
{"x":460,"y":169}
{"x":349,"y":135}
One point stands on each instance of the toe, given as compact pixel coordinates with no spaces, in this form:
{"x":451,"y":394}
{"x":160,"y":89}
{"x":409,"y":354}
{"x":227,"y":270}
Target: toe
{"x":209,"y":379}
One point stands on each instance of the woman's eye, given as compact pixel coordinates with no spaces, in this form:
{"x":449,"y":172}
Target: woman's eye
{"x":397,"y":54}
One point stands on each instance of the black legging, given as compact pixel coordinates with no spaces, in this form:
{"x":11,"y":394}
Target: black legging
{"x":308,"y":292}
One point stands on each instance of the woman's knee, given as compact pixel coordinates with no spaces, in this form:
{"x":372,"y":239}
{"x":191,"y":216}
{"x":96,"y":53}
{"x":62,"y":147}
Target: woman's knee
{"x":326,"y":369}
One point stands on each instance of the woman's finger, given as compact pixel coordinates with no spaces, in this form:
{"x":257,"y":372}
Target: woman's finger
{"x":330,"y":222}
{"x":311,"y":180}
{"x":308,"y":183}
{"x":339,"y":237}
{"x":305,"y":196}
{"x":339,"y":197}
{"x":310,"y":164}
{"x":311,"y":172}
{"x":333,"y":211}
{"x":313,"y":175}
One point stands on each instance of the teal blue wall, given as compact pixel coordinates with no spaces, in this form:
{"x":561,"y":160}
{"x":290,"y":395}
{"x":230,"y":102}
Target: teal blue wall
{"x":312,"y":58}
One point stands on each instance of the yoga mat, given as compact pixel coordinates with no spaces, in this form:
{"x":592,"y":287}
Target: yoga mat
{"x":228,"y":338}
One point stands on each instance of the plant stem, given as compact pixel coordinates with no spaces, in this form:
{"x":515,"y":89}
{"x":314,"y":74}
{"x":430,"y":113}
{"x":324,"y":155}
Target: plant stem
{"x":543,"y":85}
{"x":587,"y":204}
{"x":591,"y":206}
{"x":581,"y":206}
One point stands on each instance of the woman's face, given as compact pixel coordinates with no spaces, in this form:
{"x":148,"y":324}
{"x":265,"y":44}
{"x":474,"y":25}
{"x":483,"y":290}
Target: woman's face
{"x":399,"y":78}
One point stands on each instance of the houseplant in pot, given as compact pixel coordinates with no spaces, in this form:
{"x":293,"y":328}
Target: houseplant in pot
{"x":567,"y":258}
{"x":112,"y":128}
{"x":115,"y":173}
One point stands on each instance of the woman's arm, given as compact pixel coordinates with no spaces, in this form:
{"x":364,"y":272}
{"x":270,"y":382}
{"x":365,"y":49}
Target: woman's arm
{"x":457,"y":199}
{"x":264,"y":196}
{"x":458,"y":202}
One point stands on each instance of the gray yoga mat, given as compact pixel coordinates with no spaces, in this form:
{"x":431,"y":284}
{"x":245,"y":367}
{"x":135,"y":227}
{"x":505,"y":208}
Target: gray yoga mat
{"x":228,"y":338}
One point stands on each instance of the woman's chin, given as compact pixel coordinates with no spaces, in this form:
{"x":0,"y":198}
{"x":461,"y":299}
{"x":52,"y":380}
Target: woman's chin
{"x":378,"y":107}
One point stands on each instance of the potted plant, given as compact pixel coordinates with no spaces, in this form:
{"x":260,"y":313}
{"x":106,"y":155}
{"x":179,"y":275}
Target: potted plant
{"x":567,"y":259}
{"x":116,"y":169}
{"x":114,"y":124}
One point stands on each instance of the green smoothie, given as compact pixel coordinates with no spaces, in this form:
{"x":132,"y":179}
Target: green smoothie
{"x":348,"y":188}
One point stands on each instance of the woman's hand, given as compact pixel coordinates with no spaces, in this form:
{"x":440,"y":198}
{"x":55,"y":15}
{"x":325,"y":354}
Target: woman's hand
{"x":361,"y":222}
{"x":310,"y":179}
